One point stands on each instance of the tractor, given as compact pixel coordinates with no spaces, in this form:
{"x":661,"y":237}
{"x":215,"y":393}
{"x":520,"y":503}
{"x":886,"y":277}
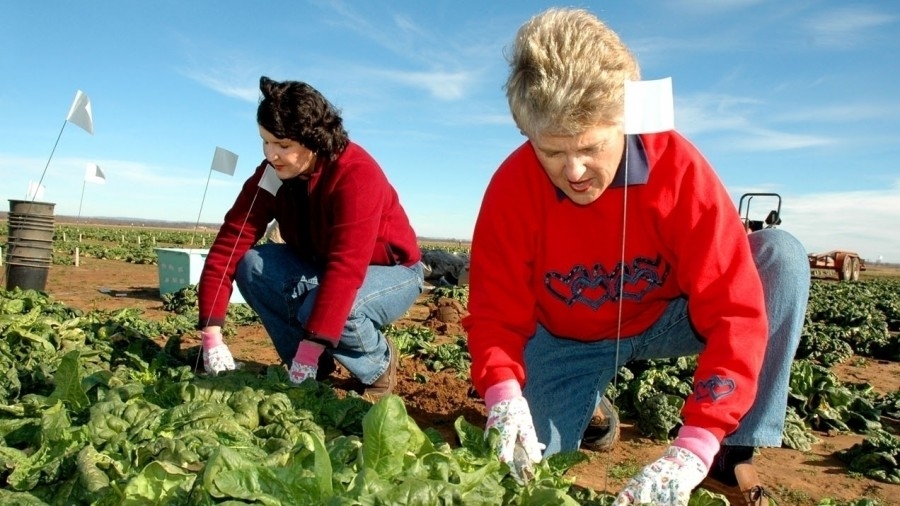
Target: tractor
{"x":770,"y":221}
{"x":847,"y":264}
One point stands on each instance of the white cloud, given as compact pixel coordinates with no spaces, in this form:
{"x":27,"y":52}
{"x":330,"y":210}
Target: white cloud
{"x":441,"y":85}
{"x":727,"y":115}
{"x":861,"y":221}
{"x":490,"y":119}
{"x":846,"y":27}
{"x":716,"y":6}
{"x":225,"y":70}
{"x":228,"y":85}
{"x":763,"y":139}
{"x":400,"y":34}
{"x":840,"y":113}
{"x":707,"y":112}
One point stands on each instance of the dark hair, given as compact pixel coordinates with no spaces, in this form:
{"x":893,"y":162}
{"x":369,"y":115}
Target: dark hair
{"x":295,"y":110}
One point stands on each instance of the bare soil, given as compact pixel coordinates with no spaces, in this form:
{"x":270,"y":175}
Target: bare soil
{"x":438,"y":399}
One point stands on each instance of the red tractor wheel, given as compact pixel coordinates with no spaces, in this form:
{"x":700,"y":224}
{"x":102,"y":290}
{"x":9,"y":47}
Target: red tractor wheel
{"x":854,"y":275}
{"x":846,"y":272}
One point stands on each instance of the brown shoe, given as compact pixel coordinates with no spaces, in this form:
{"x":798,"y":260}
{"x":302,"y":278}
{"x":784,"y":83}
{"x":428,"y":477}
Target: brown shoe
{"x":748,"y":491}
{"x":388,"y":380}
{"x":602,"y":432}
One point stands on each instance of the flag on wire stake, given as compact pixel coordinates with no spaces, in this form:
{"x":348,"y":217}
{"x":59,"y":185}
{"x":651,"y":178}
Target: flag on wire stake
{"x":35,"y":191}
{"x":269,"y":180}
{"x":649,"y":106}
{"x":79,"y":113}
{"x":223,"y":161}
{"x":92,"y":174}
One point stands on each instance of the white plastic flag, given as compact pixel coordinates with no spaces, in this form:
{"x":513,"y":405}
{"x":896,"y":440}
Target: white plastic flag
{"x":93,"y":174}
{"x":80,"y":112}
{"x":649,"y":106}
{"x":35,"y":191}
{"x":224,"y":161}
{"x":269,"y":180}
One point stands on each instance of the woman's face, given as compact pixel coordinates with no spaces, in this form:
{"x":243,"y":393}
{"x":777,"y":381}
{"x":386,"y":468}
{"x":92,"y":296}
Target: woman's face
{"x":289,"y":157}
{"x":582,"y":166}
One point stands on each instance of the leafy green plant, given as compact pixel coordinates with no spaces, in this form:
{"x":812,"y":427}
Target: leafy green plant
{"x":422,"y":343}
{"x":185,"y":302}
{"x":877,"y":457}
{"x":857,"y":502}
{"x":458,"y":293}
{"x":826,"y":403}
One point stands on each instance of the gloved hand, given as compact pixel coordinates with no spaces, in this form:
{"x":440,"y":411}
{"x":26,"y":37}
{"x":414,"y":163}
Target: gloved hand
{"x":216,"y":355}
{"x":517,"y":445}
{"x":306,"y":362}
{"x":300,"y":372}
{"x":670,"y":480}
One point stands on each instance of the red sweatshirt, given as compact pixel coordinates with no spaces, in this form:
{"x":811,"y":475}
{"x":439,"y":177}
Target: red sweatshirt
{"x":537,"y":257}
{"x":346,"y":217}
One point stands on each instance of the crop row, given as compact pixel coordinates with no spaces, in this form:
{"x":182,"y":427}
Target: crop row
{"x":138,"y":245}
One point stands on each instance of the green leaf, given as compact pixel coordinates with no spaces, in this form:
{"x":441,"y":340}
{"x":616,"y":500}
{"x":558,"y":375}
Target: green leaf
{"x":703,"y":497}
{"x":68,"y":382}
{"x":159,"y":483}
{"x":387,"y":436}
{"x":12,"y":498}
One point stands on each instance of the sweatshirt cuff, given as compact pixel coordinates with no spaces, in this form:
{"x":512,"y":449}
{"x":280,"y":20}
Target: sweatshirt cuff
{"x":503,"y":391}
{"x":698,"y":441}
{"x":308,"y":353}
{"x":209,"y":340}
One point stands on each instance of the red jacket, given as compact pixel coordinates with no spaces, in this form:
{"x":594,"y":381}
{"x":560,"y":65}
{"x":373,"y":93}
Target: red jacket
{"x":346,"y":217}
{"x":537,"y":257}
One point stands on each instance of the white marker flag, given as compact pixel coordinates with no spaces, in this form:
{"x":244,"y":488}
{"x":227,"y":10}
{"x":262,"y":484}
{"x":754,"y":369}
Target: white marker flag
{"x":224,"y":161}
{"x":269,"y":180}
{"x":80,"y":112}
{"x":93,"y":174}
{"x":35,"y":191}
{"x":649,"y":106}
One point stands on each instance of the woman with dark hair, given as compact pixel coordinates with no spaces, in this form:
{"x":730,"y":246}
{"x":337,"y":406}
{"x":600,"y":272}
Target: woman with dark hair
{"x":349,"y":263}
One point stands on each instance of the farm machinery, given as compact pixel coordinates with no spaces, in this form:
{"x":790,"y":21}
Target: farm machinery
{"x":771,"y":220}
{"x":847,"y":264}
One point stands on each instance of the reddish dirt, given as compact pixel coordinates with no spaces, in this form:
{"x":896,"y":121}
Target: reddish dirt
{"x":438,"y":399}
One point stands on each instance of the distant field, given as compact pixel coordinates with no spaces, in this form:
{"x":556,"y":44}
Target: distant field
{"x":881,"y":271}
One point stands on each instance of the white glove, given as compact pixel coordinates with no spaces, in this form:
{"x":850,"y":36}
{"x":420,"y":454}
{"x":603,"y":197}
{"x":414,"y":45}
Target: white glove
{"x":217,"y":359}
{"x":517,"y":445}
{"x":667,"y":482}
{"x":300,"y":372}
{"x":216,"y":355}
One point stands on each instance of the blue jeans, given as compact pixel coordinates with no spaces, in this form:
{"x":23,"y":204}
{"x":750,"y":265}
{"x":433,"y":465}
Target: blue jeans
{"x":282,"y":288}
{"x":565,"y":379}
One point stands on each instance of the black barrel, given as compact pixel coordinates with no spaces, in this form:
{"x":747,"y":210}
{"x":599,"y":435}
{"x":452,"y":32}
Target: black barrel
{"x":29,"y":251}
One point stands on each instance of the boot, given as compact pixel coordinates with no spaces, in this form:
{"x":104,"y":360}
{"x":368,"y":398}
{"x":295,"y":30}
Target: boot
{"x":740,"y":485}
{"x":388,"y":380}
{"x":603,"y":430}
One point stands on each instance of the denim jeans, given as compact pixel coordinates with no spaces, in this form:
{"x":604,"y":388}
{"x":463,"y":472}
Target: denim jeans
{"x":282,"y":289}
{"x":565,"y":379}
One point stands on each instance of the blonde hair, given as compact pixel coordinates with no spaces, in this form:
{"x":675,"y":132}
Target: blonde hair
{"x":567,"y":73}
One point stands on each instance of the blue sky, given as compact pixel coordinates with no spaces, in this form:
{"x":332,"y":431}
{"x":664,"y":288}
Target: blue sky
{"x":798,"y":98}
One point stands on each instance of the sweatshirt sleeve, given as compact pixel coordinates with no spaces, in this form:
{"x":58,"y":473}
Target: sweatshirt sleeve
{"x":245,"y":223}
{"x":355,"y":207}
{"x":716,"y":271}
{"x":501,"y":304}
